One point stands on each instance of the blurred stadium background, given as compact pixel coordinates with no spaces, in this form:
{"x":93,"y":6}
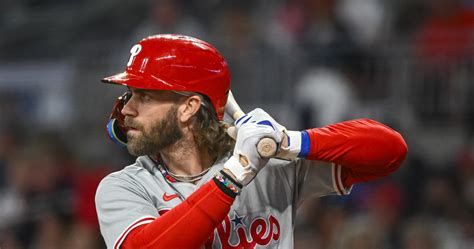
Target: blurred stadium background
{"x":407,"y":63}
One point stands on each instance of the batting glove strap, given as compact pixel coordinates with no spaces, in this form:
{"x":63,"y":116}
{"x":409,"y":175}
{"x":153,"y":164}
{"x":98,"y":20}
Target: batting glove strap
{"x":305,"y":144}
{"x":224,"y":174}
{"x":243,"y":174}
{"x":298,"y":145}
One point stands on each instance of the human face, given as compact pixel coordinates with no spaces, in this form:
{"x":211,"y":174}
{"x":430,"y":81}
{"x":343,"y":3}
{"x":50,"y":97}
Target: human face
{"x":151,"y":117}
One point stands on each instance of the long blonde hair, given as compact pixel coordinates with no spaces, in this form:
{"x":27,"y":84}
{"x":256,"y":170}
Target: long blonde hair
{"x":210,"y":133}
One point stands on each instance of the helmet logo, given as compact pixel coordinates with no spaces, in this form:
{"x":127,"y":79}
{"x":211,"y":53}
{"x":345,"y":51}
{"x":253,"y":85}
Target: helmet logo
{"x":133,"y":53}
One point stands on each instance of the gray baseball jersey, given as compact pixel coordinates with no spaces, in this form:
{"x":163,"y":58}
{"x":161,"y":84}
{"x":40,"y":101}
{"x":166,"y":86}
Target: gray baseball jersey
{"x":262,"y":216}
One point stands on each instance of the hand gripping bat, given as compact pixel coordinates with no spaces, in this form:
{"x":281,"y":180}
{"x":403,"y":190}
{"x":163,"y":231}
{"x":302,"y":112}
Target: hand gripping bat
{"x":266,"y":147}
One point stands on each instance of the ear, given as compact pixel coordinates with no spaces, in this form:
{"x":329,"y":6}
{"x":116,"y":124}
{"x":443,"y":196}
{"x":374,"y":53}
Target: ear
{"x":188,"y":108}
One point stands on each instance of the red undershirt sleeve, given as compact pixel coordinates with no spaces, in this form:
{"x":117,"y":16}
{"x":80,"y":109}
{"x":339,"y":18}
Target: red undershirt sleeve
{"x":366,"y":149}
{"x":188,"y":225}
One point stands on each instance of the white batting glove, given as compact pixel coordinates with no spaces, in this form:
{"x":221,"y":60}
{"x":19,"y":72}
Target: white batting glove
{"x":289,"y":150}
{"x":246,"y":162}
{"x":256,"y":116}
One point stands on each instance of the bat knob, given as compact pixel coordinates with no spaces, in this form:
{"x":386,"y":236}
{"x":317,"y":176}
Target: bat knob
{"x":267,"y":147}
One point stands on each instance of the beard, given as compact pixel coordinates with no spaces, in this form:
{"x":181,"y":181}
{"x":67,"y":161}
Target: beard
{"x":163,"y":133}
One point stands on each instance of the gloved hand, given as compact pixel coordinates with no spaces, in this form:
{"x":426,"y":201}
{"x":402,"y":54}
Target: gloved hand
{"x":291,"y":140}
{"x":256,"y":116}
{"x":246,"y":162}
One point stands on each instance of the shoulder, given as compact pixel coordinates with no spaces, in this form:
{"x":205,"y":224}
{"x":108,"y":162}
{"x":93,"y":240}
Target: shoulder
{"x":130,"y":178}
{"x":126,"y":174}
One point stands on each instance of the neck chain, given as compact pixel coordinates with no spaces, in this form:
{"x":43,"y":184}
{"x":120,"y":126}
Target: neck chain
{"x":172,"y":177}
{"x":187,"y":178}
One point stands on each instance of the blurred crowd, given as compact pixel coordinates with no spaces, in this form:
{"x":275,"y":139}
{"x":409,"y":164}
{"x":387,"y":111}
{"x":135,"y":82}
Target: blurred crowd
{"x":409,"y":64}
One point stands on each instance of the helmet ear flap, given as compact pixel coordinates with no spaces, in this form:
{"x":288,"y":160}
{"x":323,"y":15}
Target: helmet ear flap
{"x":116,"y":129}
{"x":115,"y":133}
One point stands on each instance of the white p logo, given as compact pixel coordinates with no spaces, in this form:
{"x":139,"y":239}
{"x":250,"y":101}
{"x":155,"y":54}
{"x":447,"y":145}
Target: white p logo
{"x":133,"y":53}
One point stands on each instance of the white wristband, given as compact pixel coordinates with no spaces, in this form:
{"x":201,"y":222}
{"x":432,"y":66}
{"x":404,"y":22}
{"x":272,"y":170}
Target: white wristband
{"x":294,"y":145}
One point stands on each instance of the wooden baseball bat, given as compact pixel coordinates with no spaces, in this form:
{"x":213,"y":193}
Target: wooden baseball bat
{"x":266,"y":147}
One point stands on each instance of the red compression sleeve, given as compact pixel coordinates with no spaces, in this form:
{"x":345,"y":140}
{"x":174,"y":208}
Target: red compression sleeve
{"x":188,"y":225}
{"x":365,"y":149}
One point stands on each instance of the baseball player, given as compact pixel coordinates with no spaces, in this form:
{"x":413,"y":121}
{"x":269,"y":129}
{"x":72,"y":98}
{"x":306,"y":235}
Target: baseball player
{"x":192,"y":185}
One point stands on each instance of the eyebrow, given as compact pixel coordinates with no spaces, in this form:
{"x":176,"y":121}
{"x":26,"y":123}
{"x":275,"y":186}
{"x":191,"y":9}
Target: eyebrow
{"x":151,"y":93}
{"x":136,"y":90}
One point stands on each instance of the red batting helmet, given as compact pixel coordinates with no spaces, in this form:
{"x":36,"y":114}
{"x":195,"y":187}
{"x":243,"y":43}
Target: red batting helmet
{"x":178,"y":63}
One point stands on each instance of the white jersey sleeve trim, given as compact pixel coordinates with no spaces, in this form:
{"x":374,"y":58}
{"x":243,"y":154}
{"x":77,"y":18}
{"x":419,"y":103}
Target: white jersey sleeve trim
{"x":137,"y":223}
{"x":337,"y":180}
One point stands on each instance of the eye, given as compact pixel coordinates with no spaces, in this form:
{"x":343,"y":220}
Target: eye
{"x":145,"y":97}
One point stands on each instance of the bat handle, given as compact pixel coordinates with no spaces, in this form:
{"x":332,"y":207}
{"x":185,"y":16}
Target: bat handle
{"x":267,"y":147}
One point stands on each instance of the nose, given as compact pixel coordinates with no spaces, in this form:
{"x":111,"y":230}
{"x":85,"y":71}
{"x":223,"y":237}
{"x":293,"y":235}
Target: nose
{"x":129,"y":109}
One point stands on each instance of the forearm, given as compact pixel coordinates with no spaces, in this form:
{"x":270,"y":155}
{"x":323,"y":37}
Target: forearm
{"x":366,"y":149}
{"x":359,"y":144}
{"x":188,"y":225}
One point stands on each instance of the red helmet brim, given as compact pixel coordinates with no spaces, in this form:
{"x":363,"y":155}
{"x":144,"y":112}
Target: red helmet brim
{"x":137,"y":81}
